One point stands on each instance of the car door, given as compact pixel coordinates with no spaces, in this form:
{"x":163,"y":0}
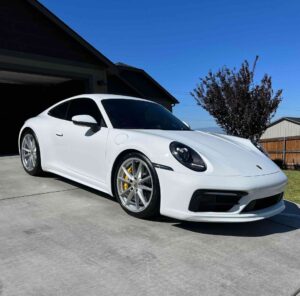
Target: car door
{"x":86,"y":147}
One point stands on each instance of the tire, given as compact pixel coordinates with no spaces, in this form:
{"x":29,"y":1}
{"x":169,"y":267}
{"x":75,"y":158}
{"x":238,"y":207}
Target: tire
{"x":30,"y":154}
{"x":137,"y":189}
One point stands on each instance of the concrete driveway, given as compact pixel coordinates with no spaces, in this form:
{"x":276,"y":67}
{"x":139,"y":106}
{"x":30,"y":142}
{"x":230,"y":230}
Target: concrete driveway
{"x":59,"y":238}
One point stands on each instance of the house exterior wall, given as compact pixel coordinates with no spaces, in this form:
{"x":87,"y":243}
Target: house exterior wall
{"x":282,"y":129}
{"x":35,"y":41}
{"x":24,"y":29}
{"x":32,"y":43}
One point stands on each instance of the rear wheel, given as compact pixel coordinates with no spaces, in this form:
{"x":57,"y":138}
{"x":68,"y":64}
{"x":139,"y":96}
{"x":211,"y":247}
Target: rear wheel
{"x":136,"y":186}
{"x":30,"y":154}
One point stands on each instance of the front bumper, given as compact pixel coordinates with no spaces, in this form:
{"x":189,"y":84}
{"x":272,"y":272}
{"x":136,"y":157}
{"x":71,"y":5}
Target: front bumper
{"x":177,"y":190}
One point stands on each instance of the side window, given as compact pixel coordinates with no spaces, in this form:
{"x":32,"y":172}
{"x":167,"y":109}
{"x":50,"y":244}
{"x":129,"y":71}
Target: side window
{"x":59,"y":111}
{"x":85,"y":106}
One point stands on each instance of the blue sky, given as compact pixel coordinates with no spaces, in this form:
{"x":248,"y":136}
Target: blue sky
{"x":179,"y":41}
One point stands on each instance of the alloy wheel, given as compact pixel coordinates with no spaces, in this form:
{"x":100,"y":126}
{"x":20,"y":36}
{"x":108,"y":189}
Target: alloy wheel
{"x":29,"y":152}
{"x":134,"y":184}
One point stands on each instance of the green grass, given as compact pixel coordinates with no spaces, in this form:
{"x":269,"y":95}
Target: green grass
{"x":292,"y":191}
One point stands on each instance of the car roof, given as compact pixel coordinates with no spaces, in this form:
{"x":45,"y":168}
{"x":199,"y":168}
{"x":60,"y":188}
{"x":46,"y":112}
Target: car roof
{"x":100,"y":97}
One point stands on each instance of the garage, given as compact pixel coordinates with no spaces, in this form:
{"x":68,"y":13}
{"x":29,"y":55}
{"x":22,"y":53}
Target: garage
{"x":26,"y":95}
{"x":43,"y":61}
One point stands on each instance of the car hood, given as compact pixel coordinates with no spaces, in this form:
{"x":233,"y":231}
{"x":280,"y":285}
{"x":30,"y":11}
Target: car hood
{"x":226,"y":155}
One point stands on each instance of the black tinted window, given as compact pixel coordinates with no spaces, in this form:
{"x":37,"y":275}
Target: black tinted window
{"x":59,"y":111}
{"x":85,"y":106}
{"x":135,"y":114}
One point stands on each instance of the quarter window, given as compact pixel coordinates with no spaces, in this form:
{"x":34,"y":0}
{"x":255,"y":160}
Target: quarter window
{"x":59,"y":111}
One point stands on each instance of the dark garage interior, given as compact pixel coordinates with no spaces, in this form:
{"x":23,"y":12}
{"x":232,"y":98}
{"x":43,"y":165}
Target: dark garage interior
{"x":26,"y":95}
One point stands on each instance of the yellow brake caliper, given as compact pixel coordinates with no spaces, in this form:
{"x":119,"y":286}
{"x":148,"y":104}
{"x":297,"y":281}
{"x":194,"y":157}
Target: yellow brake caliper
{"x":126,"y":185}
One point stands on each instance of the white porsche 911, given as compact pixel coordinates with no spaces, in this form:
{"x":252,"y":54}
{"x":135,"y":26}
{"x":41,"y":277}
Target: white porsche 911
{"x":151,"y":161}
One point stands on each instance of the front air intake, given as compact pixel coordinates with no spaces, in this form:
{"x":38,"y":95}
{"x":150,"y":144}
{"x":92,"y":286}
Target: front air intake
{"x":262,"y":203}
{"x":214,"y":200}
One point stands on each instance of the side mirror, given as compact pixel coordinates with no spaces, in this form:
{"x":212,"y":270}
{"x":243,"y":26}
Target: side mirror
{"x":85,"y":120}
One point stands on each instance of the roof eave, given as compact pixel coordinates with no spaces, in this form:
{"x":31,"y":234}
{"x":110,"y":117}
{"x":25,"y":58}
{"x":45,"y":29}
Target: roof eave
{"x":127,"y":67}
{"x":282,"y":119}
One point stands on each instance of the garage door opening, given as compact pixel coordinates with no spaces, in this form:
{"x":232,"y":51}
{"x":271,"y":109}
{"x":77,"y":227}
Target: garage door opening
{"x":25,"y":95}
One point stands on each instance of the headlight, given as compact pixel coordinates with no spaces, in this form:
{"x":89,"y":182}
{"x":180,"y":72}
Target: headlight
{"x":187,"y":156}
{"x":260,"y":148}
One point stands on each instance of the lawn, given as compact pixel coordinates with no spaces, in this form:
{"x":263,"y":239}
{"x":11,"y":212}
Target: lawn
{"x":292,"y":191}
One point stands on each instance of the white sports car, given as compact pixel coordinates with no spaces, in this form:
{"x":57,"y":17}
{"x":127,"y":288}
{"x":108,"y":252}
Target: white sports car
{"x":151,"y":161}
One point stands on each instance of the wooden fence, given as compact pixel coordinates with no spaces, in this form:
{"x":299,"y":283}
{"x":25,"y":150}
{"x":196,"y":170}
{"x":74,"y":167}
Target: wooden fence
{"x":284,"y":150}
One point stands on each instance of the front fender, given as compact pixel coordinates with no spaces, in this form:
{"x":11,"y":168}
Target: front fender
{"x":120,"y":142}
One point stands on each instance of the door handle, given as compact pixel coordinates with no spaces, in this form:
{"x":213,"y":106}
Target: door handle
{"x":59,"y":134}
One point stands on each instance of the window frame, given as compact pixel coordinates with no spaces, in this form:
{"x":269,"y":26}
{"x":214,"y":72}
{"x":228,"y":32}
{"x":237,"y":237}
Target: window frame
{"x":101,"y":124}
{"x":69,"y":102}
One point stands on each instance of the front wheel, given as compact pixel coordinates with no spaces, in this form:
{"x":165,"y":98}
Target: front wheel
{"x":30,"y":154}
{"x":136,"y":186}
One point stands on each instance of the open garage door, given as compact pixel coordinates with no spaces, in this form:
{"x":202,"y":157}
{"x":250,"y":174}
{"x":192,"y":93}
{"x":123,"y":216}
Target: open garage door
{"x":24,"y":95}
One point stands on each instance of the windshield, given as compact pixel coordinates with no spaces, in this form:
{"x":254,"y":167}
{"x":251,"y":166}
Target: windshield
{"x":135,"y":114}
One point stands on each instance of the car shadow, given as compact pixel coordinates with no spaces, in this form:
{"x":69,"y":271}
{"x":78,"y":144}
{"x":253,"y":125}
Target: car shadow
{"x":288,"y":220}
{"x":81,"y":186}
{"x":159,"y":218}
